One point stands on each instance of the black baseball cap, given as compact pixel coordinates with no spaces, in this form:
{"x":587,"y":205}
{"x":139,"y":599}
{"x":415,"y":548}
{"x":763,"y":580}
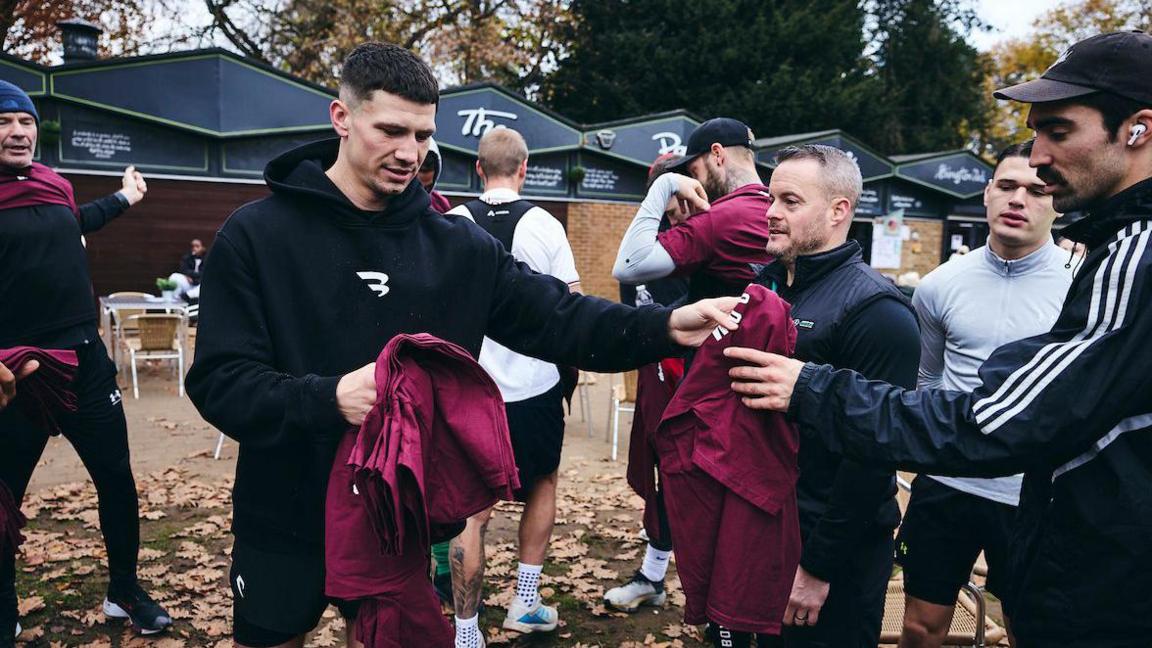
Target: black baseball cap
{"x":1119,"y":63}
{"x":724,"y":131}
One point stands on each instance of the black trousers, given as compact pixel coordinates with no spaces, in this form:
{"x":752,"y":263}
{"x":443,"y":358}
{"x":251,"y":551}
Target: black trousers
{"x":854,"y":609}
{"x":99,"y":433}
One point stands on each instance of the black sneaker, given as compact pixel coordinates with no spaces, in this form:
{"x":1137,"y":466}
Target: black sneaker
{"x":134,"y":603}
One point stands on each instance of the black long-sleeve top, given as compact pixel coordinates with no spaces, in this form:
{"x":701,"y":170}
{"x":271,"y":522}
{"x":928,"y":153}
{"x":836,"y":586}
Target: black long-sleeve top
{"x":45,"y":287}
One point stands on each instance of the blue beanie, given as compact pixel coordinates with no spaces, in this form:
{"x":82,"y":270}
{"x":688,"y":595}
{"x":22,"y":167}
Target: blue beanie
{"x":13,"y":99}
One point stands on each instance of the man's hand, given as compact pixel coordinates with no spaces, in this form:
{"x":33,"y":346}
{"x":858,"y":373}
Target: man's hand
{"x":692,"y":324}
{"x":356,"y":394}
{"x":691,"y":196}
{"x":133,"y":186}
{"x":766,"y":382}
{"x":8,"y":381}
{"x":807,"y":597}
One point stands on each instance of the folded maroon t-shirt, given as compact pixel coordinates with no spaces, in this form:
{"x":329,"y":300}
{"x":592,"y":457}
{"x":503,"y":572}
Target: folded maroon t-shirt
{"x":47,"y":391}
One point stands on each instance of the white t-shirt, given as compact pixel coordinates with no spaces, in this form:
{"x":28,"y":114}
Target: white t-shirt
{"x":540,"y":242}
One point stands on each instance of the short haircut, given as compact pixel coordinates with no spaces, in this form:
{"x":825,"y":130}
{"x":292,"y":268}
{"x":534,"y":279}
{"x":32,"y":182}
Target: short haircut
{"x":1020,"y":149}
{"x":841,"y":173}
{"x":1113,"y":109}
{"x":662,"y":165}
{"x":382,"y":66}
{"x":501,"y":152}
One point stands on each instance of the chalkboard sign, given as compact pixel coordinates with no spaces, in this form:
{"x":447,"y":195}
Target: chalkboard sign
{"x":90,"y":138}
{"x":28,"y":80}
{"x":456,"y":171}
{"x":547,"y":174}
{"x":249,"y":156}
{"x":915,"y":201}
{"x":608,"y":178}
{"x":960,"y":174}
{"x":872,"y":200}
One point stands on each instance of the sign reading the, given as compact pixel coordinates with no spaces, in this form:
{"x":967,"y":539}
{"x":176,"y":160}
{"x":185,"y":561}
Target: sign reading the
{"x":464,"y":117}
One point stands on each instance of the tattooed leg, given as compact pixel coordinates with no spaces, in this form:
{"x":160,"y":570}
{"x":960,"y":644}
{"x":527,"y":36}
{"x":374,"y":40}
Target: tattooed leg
{"x":466,"y":555}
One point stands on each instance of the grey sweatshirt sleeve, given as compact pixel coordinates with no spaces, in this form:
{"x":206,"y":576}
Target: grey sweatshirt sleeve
{"x":931,"y":373}
{"x":641,"y":257}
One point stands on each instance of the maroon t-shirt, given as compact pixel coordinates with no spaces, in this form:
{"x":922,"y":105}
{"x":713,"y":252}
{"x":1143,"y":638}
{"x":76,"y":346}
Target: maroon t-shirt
{"x":752,"y":452}
{"x":722,"y":248}
{"x":433,"y":450}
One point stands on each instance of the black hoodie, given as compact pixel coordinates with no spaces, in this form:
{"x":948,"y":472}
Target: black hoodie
{"x":302,"y":287}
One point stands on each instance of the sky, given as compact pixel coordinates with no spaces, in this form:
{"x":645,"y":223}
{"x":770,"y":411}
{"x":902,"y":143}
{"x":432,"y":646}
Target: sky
{"x":1010,"y":18}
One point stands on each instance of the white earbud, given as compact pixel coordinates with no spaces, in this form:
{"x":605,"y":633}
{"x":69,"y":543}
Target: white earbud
{"x":1136,"y":131}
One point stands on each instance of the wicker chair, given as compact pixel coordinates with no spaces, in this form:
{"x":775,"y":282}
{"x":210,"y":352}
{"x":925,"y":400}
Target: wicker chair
{"x":160,"y":338}
{"x":970,"y":625}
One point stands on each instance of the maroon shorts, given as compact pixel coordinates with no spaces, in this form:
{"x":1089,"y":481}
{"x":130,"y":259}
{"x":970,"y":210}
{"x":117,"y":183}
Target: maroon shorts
{"x":736,"y":562}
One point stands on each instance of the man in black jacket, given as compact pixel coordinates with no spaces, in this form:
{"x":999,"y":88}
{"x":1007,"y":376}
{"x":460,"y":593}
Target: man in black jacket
{"x":305,"y":287}
{"x":849,"y":316}
{"x":46,"y":301}
{"x":1072,"y":408}
{"x":187,"y":276}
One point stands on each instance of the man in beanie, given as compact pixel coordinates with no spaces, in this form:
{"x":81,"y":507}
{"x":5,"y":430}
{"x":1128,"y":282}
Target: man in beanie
{"x":1071,"y":408}
{"x":43,"y":268}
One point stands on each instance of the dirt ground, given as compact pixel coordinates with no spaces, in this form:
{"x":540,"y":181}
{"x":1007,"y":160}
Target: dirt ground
{"x":185,"y":509}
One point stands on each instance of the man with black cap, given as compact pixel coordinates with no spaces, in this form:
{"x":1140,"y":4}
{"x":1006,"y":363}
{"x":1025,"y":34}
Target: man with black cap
{"x":719,"y":249}
{"x":1072,"y":408}
{"x":46,"y":301}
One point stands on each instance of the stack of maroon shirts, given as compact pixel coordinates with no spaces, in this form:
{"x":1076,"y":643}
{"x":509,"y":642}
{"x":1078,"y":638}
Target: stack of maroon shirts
{"x":433,"y":451}
{"x":46,"y":392}
{"x":729,"y":477}
{"x":40,"y":396}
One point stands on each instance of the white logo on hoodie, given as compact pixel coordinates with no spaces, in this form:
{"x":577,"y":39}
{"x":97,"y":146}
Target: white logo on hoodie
{"x":376,"y":281}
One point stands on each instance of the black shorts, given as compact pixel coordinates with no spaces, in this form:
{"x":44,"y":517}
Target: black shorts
{"x":537,"y":428}
{"x":278,"y":595}
{"x":941,"y":536}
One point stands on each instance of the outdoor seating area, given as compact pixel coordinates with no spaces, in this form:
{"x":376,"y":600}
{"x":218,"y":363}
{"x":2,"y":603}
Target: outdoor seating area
{"x":140,"y":328}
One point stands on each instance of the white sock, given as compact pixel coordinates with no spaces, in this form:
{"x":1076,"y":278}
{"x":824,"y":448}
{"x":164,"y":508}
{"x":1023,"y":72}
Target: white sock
{"x":528,"y":585}
{"x":655,"y":564}
{"x":468,"y":632}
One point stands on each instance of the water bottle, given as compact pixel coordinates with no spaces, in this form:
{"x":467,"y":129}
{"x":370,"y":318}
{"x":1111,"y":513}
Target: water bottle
{"x":643,"y":297}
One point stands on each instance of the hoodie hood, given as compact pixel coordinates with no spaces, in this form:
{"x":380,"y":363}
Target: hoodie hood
{"x":299,"y":174}
{"x":434,"y":155}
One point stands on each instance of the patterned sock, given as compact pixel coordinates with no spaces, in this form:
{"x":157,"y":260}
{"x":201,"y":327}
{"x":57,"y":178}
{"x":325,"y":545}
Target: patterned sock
{"x":528,"y":585}
{"x":440,"y":552}
{"x":468,"y":632}
{"x":655,"y":564}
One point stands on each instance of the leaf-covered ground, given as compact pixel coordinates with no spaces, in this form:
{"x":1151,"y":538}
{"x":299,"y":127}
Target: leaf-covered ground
{"x":184,"y":561}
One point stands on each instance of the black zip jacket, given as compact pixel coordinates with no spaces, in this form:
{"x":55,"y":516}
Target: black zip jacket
{"x":1072,"y":409}
{"x":302,"y":287}
{"x":848,"y":316}
{"x":45,"y":288}
{"x":188,"y":267}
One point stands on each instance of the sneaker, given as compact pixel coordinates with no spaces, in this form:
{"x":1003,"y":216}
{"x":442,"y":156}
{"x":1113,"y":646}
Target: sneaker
{"x":636,"y":592}
{"x":542,"y":619}
{"x":147,"y":616}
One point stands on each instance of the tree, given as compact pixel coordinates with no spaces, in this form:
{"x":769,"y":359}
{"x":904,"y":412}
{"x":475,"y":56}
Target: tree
{"x":931,"y":79}
{"x":508,"y":41}
{"x":784,"y":66}
{"x":1018,"y":60}
{"x":30,"y":31}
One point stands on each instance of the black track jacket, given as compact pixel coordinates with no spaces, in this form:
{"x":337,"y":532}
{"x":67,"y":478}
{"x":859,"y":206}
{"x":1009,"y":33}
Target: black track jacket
{"x":1072,"y":409}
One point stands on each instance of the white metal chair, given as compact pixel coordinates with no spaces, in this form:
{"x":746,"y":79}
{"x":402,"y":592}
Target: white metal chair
{"x":623,"y":401}
{"x":160,"y":338}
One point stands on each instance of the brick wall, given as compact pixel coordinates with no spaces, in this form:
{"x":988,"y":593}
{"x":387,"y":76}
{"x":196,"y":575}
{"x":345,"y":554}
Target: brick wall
{"x":595,"y":230}
{"x":922,"y":255}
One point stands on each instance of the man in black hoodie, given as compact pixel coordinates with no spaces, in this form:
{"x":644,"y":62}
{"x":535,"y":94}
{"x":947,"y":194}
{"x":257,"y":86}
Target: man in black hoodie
{"x":306,"y":286}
